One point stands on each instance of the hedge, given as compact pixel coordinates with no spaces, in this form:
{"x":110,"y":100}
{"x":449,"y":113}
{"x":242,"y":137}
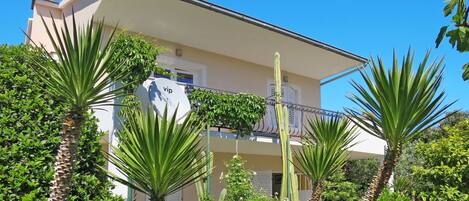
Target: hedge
{"x":30,"y":121}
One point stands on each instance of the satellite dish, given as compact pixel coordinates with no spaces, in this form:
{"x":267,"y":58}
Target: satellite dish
{"x":167,"y":94}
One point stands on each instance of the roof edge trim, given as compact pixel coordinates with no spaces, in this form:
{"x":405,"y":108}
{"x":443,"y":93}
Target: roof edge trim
{"x":277,"y":29}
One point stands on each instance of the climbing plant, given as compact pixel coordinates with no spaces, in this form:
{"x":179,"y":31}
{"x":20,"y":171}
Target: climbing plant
{"x":139,"y":54}
{"x":237,"y":111}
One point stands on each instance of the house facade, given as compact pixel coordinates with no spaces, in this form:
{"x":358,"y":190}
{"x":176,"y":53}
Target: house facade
{"x":219,"y":49}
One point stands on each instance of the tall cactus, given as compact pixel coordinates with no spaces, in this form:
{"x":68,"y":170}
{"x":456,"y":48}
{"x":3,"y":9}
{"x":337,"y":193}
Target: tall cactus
{"x":289,"y":189}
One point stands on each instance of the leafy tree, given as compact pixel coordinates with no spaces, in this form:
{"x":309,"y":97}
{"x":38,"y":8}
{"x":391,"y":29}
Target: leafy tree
{"x":337,"y":188}
{"x":459,"y":34}
{"x":29,"y":135}
{"x":361,"y":172}
{"x":444,"y":171}
{"x":324,"y":150}
{"x":81,"y":77}
{"x":157,"y":154}
{"x":139,"y":55}
{"x":397,"y":106}
{"x":405,"y":181}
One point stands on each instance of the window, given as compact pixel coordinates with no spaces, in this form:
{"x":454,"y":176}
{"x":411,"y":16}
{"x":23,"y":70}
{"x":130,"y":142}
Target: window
{"x":185,"y":77}
{"x":289,"y":95}
{"x":179,"y":75}
{"x":183,"y":71}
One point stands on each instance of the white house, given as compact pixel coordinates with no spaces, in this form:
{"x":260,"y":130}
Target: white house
{"x":214,"y":47}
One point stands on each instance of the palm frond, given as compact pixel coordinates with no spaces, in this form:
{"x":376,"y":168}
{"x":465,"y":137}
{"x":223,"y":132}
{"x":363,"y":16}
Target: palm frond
{"x":82,"y":72}
{"x":156,"y":154}
{"x":330,"y":130}
{"x":318,"y":161}
{"x":324,"y":150}
{"x":396,"y":105}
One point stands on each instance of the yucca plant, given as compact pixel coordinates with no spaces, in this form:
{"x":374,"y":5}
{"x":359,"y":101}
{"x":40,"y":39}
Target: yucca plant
{"x":157,"y":154}
{"x":81,"y":77}
{"x":397,"y":105}
{"x":324,"y":149}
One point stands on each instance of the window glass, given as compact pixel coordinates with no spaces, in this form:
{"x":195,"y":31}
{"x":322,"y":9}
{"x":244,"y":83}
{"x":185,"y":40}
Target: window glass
{"x":185,"y":78}
{"x":158,"y":75}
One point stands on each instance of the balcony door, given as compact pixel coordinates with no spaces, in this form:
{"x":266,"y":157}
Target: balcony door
{"x":290,"y":94}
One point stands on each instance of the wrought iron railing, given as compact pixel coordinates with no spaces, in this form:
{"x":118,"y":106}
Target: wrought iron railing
{"x":267,"y":126}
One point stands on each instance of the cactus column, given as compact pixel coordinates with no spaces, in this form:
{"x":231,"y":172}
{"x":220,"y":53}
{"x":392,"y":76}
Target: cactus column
{"x":289,"y":189}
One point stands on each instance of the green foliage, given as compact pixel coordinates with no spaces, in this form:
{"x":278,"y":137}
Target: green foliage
{"x":157,"y":154}
{"x":337,"y":188}
{"x":260,"y":197}
{"x":459,"y":33}
{"x":30,"y":122}
{"x":85,"y":67}
{"x":238,"y":180}
{"x":397,"y":104}
{"x":139,"y":55}
{"x":459,"y":36}
{"x":444,"y":172}
{"x":405,"y":181}
{"x":324,"y":149}
{"x":388,"y":195}
{"x":237,"y":111}
{"x":361,"y":172}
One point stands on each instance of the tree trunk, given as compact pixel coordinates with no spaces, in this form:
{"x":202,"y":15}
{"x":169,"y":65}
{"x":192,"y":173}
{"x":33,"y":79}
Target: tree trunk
{"x":63,"y":167}
{"x":317,"y":191}
{"x":382,"y":178}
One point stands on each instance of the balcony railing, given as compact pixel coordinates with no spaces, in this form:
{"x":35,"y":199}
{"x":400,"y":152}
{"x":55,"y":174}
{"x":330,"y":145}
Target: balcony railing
{"x":298,"y":115}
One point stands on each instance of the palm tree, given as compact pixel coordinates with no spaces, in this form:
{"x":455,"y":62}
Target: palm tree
{"x":80,"y":76}
{"x":158,"y":155}
{"x":397,"y":106}
{"x":324,"y":149}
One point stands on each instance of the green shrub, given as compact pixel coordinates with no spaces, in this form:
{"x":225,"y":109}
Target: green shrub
{"x":238,"y":182}
{"x":261,"y":198}
{"x":236,"y":111}
{"x":388,"y":195}
{"x":444,"y":172}
{"x":29,"y":136}
{"x":337,"y":188}
{"x":361,"y":172}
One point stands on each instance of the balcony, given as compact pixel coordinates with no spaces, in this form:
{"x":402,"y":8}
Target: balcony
{"x":298,"y":115}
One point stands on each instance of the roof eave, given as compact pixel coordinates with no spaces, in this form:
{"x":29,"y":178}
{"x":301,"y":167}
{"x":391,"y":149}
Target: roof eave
{"x":277,"y":29}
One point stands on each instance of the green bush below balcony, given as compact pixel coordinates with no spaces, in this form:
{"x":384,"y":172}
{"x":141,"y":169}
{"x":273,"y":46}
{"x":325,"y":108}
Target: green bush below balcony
{"x":235,"y":111}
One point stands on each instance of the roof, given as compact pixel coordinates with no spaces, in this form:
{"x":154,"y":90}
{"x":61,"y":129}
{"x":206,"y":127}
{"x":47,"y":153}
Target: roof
{"x":271,"y":27}
{"x":206,"y":26}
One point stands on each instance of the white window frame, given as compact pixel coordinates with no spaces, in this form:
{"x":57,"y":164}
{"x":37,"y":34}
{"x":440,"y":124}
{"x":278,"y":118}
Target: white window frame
{"x":271,"y":82}
{"x":171,"y":63}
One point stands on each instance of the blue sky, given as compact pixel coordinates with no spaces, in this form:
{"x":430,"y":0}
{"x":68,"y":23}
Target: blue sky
{"x":363,"y":27}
